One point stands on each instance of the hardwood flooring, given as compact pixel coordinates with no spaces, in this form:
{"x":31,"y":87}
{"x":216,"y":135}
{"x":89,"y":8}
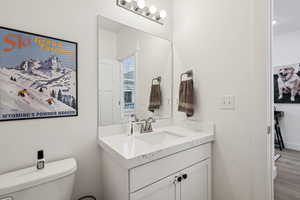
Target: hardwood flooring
{"x":287,"y":182}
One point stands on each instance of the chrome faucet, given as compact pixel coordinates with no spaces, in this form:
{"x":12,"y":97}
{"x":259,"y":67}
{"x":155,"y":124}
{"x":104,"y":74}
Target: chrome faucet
{"x":145,"y":124}
{"x":140,"y":123}
{"x":148,"y":126}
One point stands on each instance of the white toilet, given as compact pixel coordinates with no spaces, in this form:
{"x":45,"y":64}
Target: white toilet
{"x":54,"y":182}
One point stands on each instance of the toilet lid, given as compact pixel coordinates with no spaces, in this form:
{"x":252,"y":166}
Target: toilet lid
{"x":29,"y":177}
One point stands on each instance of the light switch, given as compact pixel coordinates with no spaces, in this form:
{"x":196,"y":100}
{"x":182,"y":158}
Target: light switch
{"x":228,"y":102}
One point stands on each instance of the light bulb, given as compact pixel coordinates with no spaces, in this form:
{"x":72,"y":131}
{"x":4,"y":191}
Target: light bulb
{"x":162,"y":14}
{"x":152,"y":9}
{"x":147,"y":12}
{"x":134,"y":6}
{"x":141,"y":4}
{"x":274,"y":22}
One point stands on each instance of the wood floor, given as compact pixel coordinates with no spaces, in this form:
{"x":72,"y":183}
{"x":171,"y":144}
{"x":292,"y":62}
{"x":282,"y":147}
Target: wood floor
{"x":287,"y":183}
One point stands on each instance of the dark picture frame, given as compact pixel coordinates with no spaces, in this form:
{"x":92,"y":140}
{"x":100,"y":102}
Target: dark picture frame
{"x":42,"y":74}
{"x":286,"y":82}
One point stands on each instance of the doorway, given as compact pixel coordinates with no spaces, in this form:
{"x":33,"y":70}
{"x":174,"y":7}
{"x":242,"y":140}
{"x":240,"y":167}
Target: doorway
{"x":286,"y":99}
{"x":109,"y":93}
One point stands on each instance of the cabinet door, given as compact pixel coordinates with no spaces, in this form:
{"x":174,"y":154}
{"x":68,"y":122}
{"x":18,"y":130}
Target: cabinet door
{"x":197,"y":183}
{"x":161,"y":190}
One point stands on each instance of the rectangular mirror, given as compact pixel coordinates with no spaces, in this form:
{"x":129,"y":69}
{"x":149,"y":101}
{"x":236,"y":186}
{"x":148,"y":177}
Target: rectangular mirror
{"x":135,"y":74}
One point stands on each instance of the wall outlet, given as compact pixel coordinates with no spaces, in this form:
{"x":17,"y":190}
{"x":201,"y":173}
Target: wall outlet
{"x":228,"y":102}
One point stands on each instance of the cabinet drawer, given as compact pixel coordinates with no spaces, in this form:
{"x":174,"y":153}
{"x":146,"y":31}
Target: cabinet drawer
{"x":162,"y":190}
{"x":149,"y":173}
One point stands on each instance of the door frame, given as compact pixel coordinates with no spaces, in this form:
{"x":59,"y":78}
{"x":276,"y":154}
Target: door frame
{"x":270,"y":104}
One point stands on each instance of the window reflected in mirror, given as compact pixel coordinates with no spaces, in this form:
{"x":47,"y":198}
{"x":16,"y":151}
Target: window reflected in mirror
{"x":128,"y":86}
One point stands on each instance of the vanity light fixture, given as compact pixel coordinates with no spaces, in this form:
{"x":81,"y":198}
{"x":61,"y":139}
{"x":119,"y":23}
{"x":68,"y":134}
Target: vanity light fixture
{"x":152,"y":9}
{"x":147,"y":11}
{"x":139,"y":7}
{"x":134,"y":6}
{"x":162,"y":15}
{"x":125,"y":2}
{"x":141,"y":4}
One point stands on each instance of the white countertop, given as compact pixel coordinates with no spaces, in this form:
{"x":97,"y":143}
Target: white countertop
{"x":131,"y":151}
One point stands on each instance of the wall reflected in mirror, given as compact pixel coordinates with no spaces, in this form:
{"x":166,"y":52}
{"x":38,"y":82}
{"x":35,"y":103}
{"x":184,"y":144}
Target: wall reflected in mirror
{"x":135,"y":74}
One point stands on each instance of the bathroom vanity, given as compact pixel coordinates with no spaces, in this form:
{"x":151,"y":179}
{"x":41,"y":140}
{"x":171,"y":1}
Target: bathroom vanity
{"x":171,"y":163}
{"x":168,"y":162}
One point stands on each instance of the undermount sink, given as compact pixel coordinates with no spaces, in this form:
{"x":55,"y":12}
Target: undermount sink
{"x":159,"y":138}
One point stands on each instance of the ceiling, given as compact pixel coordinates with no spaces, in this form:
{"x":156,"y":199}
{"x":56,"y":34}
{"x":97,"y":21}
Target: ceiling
{"x":287,"y":15}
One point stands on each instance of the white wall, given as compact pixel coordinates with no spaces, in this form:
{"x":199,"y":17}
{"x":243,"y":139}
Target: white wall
{"x":224,"y":42}
{"x":286,"y":48}
{"x":64,"y":137}
{"x":108,"y":44}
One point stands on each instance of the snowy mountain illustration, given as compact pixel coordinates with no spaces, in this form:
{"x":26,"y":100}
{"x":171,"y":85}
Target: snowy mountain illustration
{"x":37,"y":86}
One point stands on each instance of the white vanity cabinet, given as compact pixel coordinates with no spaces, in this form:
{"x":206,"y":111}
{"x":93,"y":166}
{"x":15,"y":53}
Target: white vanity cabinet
{"x":184,"y":175}
{"x":197,"y":184}
{"x":192,"y":183}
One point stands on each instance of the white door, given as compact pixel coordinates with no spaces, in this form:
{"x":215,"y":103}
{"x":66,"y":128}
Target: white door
{"x":161,"y":190}
{"x":109,"y":94}
{"x":197,"y":183}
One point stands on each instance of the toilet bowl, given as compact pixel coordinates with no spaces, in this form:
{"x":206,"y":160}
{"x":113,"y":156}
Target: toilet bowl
{"x":54,"y":182}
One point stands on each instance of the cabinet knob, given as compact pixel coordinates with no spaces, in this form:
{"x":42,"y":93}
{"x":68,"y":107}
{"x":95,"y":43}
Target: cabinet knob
{"x":179,"y":179}
{"x":184,"y":176}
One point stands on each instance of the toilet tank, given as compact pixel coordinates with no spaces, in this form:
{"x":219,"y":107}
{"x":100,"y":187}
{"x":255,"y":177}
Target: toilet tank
{"x":54,"y":182}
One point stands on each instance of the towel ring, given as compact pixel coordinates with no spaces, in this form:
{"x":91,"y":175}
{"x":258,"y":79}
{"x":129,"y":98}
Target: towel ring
{"x":158,"y":79}
{"x":187,"y":73}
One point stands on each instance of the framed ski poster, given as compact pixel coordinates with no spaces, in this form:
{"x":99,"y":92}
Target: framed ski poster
{"x":38,"y":76}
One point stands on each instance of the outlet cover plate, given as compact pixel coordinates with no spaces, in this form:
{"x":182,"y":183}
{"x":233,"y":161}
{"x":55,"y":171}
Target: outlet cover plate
{"x":228,"y":102}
